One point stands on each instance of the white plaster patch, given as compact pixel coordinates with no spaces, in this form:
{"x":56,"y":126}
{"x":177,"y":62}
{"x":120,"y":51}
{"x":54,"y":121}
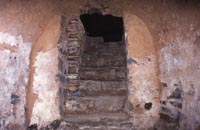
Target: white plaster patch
{"x":8,"y":39}
{"x":46,"y":107}
{"x":13,"y":79}
{"x":144,"y":88}
{"x":179,"y":65}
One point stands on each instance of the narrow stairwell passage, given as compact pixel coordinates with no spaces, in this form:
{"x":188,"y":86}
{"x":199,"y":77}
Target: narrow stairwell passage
{"x":99,"y":102}
{"x":93,"y":78}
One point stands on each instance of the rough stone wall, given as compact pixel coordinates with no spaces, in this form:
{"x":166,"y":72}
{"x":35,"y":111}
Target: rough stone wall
{"x":14,"y":63}
{"x":70,"y":46}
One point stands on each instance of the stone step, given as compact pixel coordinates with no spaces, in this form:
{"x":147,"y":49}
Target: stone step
{"x":120,"y":43}
{"x":103,"y":61}
{"x":105,"y":48}
{"x":97,"y":88}
{"x":91,"y":105}
{"x":103,"y":73}
{"x":105,"y":44}
{"x":97,"y":126}
{"x":100,"y":118}
{"x":107,"y":51}
{"x":94,"y":39}
{"x":102,"y":127}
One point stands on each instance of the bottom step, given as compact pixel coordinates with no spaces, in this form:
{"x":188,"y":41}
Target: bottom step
{"x":70,"y":126}
{"x":100,"y":117}
{"x":101,"y":121}
{"x":89,"y":105}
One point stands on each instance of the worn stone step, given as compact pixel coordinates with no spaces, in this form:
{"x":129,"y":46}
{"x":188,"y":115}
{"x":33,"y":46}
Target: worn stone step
{"x":105,"y":44}
{"x":101,"y":121}
{"x":103,"y":60}
{"x":107,"y":51}
{"x":98,"y":88}
{"x":120,"y":43}
{"x":89,"y":105}
{"x":103,"y":73}
{"x":108,"y":45}
{"x":94,"y":39}
{"x":105,"y":118}
{"x":105,"y":48}
{"x":115,"y":125}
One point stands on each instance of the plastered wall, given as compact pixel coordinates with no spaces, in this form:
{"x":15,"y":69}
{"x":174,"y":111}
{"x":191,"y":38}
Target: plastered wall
{"x":162,"y":42}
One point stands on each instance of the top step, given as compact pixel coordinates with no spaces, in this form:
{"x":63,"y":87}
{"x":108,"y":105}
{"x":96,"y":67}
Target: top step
{"x":105,"y":48}
{"x":94,"y":39}
{"x":105,"y":44}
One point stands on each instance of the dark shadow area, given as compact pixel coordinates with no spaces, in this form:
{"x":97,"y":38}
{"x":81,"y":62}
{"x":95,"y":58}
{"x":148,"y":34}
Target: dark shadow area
{"x":148,"y":106}
{"x":107,"y":26}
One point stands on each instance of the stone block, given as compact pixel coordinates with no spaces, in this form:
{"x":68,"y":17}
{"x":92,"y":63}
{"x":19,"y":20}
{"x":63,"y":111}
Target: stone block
{"x":176,"y":94}
{"x":73,"y":70}
{"x":73,"y":43}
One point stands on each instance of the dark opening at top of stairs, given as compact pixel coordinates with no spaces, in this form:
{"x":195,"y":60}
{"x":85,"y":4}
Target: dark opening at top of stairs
{"x":107,"y":26}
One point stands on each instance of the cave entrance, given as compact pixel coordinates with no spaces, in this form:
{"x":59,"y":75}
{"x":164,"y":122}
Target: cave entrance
{"x":93,"y":70}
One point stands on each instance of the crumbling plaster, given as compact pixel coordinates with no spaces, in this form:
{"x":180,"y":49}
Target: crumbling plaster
{"x":142,"y":72}
{"x":14,"y":71}
{"x":179,"y":65}
{"x":43,"y":87}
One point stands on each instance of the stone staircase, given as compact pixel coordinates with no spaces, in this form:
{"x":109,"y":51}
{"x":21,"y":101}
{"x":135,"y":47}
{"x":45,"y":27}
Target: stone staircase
{"x":97,"y":99}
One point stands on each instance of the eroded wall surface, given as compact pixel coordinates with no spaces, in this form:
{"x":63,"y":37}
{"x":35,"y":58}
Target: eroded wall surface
{"x":179,"y":74}
{"x":45,"y":85}
{"x":144,"y":89}
{"x":44,"y":108}
{"x":14,"y":71}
